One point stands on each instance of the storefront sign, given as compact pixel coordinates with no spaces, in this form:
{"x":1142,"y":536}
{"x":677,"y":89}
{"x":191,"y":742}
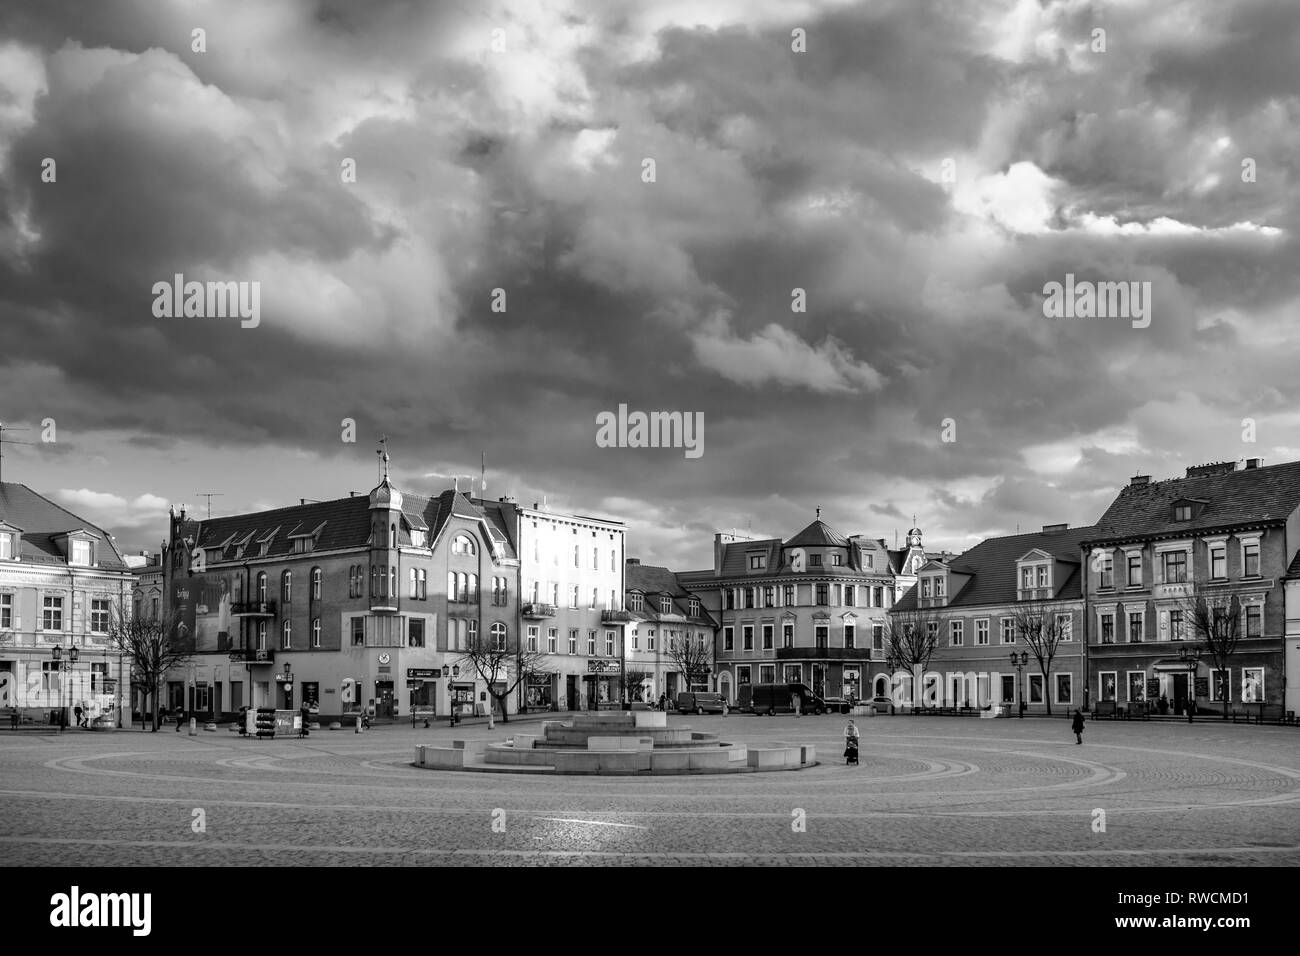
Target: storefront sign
{"x":413,"y":672}
{"x":604,"y":667}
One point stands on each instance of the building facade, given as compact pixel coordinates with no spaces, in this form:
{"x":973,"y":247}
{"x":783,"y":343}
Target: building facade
{"x":809,"y":610}
{"x":663,"y":615}
{"x":360,"y":603}
{"x":571,"y":571}
{"x":1222,"y":531}
{"x":980,"y":605}
{"x":62,"y":580}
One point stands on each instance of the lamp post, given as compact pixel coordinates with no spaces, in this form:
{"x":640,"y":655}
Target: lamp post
{"x":1019,"y":662}
{"x":62,"y":665}
{"x":1191,"y":659}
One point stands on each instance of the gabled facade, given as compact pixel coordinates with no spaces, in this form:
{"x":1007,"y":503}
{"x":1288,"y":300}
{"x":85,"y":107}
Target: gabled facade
{"x":61,"y":581}
{"x":976,"y":599}
{"x":810,"y":609}
{"x":663,"y":613}
{"x":1221,"y":530}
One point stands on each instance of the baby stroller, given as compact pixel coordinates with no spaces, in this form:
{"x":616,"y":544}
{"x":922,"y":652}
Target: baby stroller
{"x":850,"y":750}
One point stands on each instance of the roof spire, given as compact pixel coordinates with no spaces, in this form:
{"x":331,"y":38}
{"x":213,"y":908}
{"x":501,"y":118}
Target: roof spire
{"x":383,"y":458}
{"x":819,"y":512}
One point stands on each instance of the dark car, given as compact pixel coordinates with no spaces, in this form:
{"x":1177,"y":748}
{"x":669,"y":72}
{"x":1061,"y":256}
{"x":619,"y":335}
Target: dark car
{"x":689,"y":702}
{"x":773,"y":698}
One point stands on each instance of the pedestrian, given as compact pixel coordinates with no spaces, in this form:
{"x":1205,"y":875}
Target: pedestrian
{"x":14,"y":715}
{"x":305,"y":711}
{"x":663,"y":701}
{"x":76,"y":712}
{"x":180,"y":718}
{"x":1077,"y":726}
{"x":797,"y":700}
{"x":851,"y":737}
{"x":1191,"y":709}
{"x":724,"y":707}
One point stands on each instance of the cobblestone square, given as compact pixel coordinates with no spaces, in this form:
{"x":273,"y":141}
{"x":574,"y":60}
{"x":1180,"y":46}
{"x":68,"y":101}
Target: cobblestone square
{"x":929,"y":791}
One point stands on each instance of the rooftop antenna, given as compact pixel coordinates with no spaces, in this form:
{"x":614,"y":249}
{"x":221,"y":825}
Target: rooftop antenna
{"x":209,"y":495}
{"x":9,"y":441}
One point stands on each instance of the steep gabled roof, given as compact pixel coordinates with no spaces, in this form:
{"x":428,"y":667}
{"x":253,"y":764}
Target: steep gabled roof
{"x":656,"y":582}
{"x":1245,"y":496}
{"x":42,"y":522}
{"x":818,"y":535}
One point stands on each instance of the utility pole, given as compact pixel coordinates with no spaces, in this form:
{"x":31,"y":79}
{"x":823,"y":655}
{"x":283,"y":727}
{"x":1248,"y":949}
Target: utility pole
{"x":9,"y":441}
{"x":209,"y":495}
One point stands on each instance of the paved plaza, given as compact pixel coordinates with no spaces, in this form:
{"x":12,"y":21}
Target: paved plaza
{"x":929,"y":791}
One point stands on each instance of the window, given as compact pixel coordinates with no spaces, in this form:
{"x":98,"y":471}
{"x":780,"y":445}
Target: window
{"x":814,"y":560}
{"x":1137,"y":686}
{"x":821,"y":594}
{"x":767,"y":673}
{"x":850,"y":635}
{"x":1218,"y":561}
{"x":595,"y":559}
{"x":500,"y":589}
{"x":6,"y":546}
{"x":595,"y":599}
{"x":787,"y":595}
{"x":878,"y":597}
{"x":52,"y":615}
{"x":940,"y":587}
{"x":822,"y":636}
{"x":80,"y":552}
{"x":1250,"y":559}
{"x":498,"y":633}
{"x":837,"y":560}
{"x":787,"y":635}
{"x":1252,"y":685}
{"x":573,"y":596}
{"x":635,"y":601}
{"x":7,"y":611}
{"x":534,"y":632}
{"x":1254,"y":621}
{"x":665,"y":605}
{"x":261,"y":635}
{"x":1135,"y":627}
{"x":463,"y":544}
{"x":728,"y":638}
{"x":49,"y":677}
{"x":1106,"y":680}
{"x":99,"y":616}
{"x":767,"y":636}
{"x":1065,"y":688}
{"x":591,"y":643}
{"x":1176,"y":630}
{"x":613,"y":560}
{"x":358,"y":631}
{"x":1108,"y":628}
{"x":1065,"y":627}
{"x":769,"y":596}
{"x":153,"y":609}
{"x":261,"y":587}
{"x":757,"y":562}
{"x":1008,"y":627}
{"x":1035,"y":688}
{"x":956,"y":633}
{"x":573,"y":641}
{"x":286,"y":587}
{"x":748,"y":594}
{"x":392,"y":581}
{"x":1107,"y":572}
{"x":286,"y":636}
{"x":315,"y":633}
{"x":1135,"y":570}
{"x":731,"y":599}
{"x":577,"y":555}
{"x":850,"y":594}
{"x":695,"y":607}
{"x":982,"y":632}
{"x":1221,"y":685}
{"x":1182,"y":512}
{"x":747,"y":637}
{"x":609,"y":643}
{"x":352,"y":580}
{"x":925,"y":586}
{"x":552,"y":635}
{"x":650,"y":640}
{"x":1175,"y":566}
{"x":742,"y":674}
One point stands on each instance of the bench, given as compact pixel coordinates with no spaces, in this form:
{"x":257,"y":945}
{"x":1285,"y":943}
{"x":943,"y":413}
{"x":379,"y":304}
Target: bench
{"x":1139,"y":709}
{"x":1104,"y":708}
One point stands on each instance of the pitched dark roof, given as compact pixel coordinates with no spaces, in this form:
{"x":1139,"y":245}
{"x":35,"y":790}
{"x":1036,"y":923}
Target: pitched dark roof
{"x":818,"y":535}
{"x":992,"y":566}
{"x":42,"y":521}
{"x":656,"y":582}
{"x":1245,"y":496}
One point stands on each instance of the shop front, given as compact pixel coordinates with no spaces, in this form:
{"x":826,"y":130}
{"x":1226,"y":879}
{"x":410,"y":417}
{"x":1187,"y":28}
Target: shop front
{"x":539,"y":692}
{"x":600,"y":686}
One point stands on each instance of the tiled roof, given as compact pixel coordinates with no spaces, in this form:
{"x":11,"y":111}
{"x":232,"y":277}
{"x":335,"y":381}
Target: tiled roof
{"x":818,"y":535}
{"x":655,"y":582}
{"x":1239,"y":497}
{"x":41,"y":521}
{"x":992,"y":566}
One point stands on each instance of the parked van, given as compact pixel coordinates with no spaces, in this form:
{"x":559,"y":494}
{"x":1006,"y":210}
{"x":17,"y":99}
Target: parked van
{"x":771,"y":699}
{"x":699,"y":703}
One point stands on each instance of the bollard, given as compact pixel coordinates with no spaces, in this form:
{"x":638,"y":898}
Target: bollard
{"x":358,"y":730}
{"x":194,"y":727}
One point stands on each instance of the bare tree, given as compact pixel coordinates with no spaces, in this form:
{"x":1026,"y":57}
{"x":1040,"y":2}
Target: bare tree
{"x":505,"y":664}
{"x":911,"y":637}
{"x":694,"y":658}
{"x":630,"y":682}
{"x":1038,"y":625}
{"x":1215,"y":619}
{"x":153,"y":645}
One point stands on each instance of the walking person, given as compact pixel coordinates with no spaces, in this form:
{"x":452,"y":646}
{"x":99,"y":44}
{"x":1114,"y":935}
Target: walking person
{"x":76,"y":712}
{"x":1191,"y":709}
{"x":1077,"y":726}
{"x":851,"y":737}
{"x":663,"y":701}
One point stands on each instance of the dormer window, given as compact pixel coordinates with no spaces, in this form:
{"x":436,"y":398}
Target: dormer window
{"x":836,"y":560}
{"x":665,"y":605}
{"x":925,"y":587}
{"x":695,"y":607}
{"x":80,"y":552}
{"x":8,"y":546}
{"x":635,"y":601}
{"x":939,"y":587}
{"x":814,"y":560}
{"x":868,"y":560}
{"x":757,"y":562}
{"x":1183,"y":513}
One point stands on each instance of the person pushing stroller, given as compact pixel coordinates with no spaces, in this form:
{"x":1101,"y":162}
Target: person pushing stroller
{"x":851,"y":736}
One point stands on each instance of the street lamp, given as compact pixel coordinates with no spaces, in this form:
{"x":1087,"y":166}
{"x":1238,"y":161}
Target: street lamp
{"x":1191,"y":659}
{"x":1020,"y":662}
{"x":56,"y":653}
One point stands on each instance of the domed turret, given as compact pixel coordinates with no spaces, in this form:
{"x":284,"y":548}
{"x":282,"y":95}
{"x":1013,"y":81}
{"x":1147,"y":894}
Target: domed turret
{"x":384,"y":495}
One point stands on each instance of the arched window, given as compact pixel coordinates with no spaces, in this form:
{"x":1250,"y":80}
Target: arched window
{"x":498,"y":637}
{"x":261,"y":635}
{"x":315,"y":633}
{"x":286,"y":635}
{"x":374,"y":581}
{"x":315,"y":584}
{"x":392,"y":535}
{"x":472,"y":594}
{"x":286,"y":587}
{"x":392,"y":581}
{"x":451,"y":585}
{"x":463,"y":544}
{"x":261,"y":587}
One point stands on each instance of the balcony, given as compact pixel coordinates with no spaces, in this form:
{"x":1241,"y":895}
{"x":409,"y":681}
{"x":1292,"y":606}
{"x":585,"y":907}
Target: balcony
{"x":247,"y":655}
{"x":536,"y":611}
{"x":1174,"y":589}
{"x":615,"y":617}
{"x":823,"y":653}
{"x":253,"y":609}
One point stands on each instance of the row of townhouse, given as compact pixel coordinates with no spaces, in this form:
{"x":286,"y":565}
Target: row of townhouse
{"x":1117,"y":601}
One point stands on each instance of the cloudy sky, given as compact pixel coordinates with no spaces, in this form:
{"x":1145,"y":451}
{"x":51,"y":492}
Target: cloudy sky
{"x":921,"y":169}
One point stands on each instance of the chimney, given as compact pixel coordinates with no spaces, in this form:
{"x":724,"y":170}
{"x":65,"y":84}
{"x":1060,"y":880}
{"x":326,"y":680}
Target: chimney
{"x":1049,"y":528}
{"x":633,"y":560}
{"x":1139,"y":480}
{"x":1254,"y":462}
{"x":1211,"y":468}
